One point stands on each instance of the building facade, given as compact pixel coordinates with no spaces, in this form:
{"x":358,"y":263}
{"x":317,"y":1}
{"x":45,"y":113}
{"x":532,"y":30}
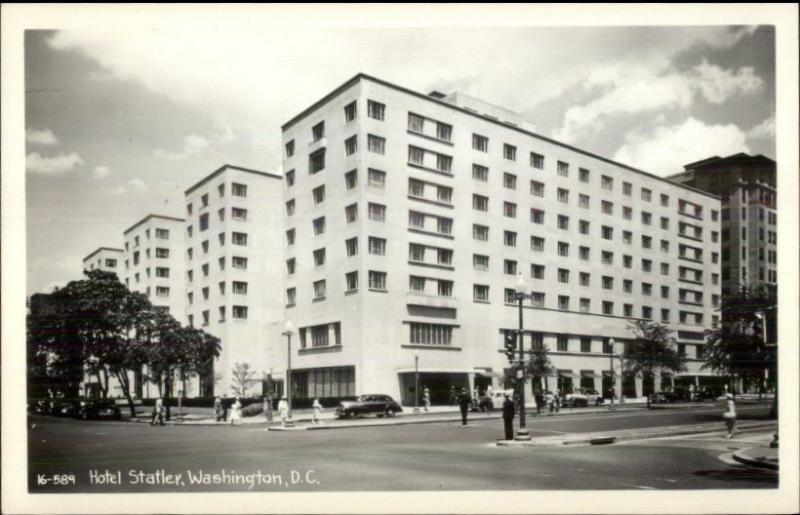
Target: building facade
{"x":104,"y":258}
{"x":234,"y":271}
{"x":746,"y":186}
{"x":408,"y":218}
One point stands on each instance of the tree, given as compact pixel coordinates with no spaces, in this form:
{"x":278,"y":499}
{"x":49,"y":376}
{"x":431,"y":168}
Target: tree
{"x":243,"y":377}
{"x":737,"y":347}
{"x":539,"y":366}
{"x":651,"y":350}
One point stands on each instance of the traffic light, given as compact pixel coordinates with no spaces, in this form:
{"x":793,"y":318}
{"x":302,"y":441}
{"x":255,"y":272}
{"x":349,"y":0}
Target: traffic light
{"x":510,"y":345}
{"x":758,"y":326}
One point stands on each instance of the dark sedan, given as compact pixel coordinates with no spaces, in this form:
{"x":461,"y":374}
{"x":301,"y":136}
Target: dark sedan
{"x":380,"y":405}
{"x":99,"y":408}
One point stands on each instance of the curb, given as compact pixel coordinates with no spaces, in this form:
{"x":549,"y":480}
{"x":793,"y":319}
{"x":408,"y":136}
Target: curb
{"x":753,"y":461}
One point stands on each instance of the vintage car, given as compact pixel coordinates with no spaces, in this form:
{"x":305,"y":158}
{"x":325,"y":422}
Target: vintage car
{"x":371,"y":404}
{"x":583,"y":397}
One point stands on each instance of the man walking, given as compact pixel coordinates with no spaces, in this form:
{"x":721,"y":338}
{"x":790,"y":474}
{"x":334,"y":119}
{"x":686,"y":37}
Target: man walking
{"x":508,"y":416}
{"x":463,"y":403}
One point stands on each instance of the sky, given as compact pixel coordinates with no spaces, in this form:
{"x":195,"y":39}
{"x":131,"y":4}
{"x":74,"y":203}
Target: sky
{"x":120,"y":122}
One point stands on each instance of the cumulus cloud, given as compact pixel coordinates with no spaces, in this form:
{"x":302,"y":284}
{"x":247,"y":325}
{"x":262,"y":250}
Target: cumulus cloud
{"x":101,"y":172}
{"x":667,"y":149}
{"x":763,"y":130}
{"x":718,"y":85}
{"x":132,"y":186}
{"x":62,"y":163}
{"x":41,"y":137}
{"x":192,"y":145}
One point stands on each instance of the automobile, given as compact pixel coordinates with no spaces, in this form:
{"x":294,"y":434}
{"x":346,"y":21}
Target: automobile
{"x":67,"y":408}
{"x":658,"y":398}
{"x":377,"y":404}
{"x":705,"y":394}
{"x":99,"y":408}
{"x":582,"y":397}
{"x":678,"y":395}
{"x":497,"y":398}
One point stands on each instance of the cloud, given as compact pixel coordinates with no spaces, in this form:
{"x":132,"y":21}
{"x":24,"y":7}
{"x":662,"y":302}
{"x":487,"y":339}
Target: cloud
{"x":40,"y":137}
{"x":59,"y":164}
{"x":101,"y":172}
{"x":718,"y":85}
{"x":764,"y":130}
{"x":132,"y":186}
{"x":192,"y":145}
{"x":667,"y":149}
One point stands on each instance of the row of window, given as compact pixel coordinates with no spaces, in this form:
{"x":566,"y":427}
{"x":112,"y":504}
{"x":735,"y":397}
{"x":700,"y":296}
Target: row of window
{"x":238,"y":312}
{"x":161,"y":291}
{"x":161,"y":253}
{"x":161,"y":234}
{"x":237,"y":262}
{"x":376,"y":282}
{"x":161,"y":272}
{"x":237,"y":190}
{"x":237,"y":287}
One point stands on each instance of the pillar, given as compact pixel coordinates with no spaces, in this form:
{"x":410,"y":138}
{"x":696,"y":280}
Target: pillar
{"x":638,"y":382}
{"x":657,"y":381}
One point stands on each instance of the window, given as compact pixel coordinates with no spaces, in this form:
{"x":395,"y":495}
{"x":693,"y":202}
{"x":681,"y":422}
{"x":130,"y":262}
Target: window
{"x":627,"y":261}
{"x":445,"y":288}
{"x":318,"y":194}
{"x":563,"y":222}
{"x":416,"y":220}
{"x":563,"y":275}
{"x":607,"y":232}
{"x":647,"y":289}
{"x":377,"y":280}
{"x":376,"y":144}
{"x":444,"y":163}
{"x":537,"y":271}
{"x":319,"y":225}
{"x":290,"y":178}
{"x":665,"y":202}
{"x":351,"y":246}
{"x":351,"y":145}
{"x":647,"y":218}
{"x":480,"y":173}
{"x":351,"y":213}
{"x":318,"y":131}
{"x":351,"y":179}
{"x":350,"y":112}
{"x":583,"y":253}
{"x":162,"y":234}
{"x":290,"y":266}
{"x":585,"y":305}
{"x":239,"y":288}
{"x":239,"y":190}
{"x":319,"y":257}
{"x":188,"y":209}
{"x":480,"y":293}
{"x":647,"y":265}
{"x":510,"y":267}
{"x":289,"y":148}
{"x":608,"y":282}
{"x":416,"y":123}
{"x":376,"y":110}
{"x":627,"y":189}
{"x":290,"y":207}
{"x":319,"y":289}
{"x":480,"y":203}
{"x":221,"y":262}
{"x":608,"y":308}
{"x":351,"y":281}
{"x":416,"y":188}
{"x":664,"y":268}
{"x":376,"y":212}
{"x":537,"y":189}
{"x":627,"y":310}
{"x":290,"y":237}
{"x":586,"y":344}
{"x":608,"y":258}
{"x":444,"y":132}
{"x":665,"y":315}
{"x":510,"y":181}
{"x":647,"y":312}
{"x":537,"y":161}
{"x":583,"y":227}
{"x":647,"y":242}
{"x":376,"y":178}
{"x":416,"y":252}
{"x":162,"y":291}
{"x":205,"y":317}
{"x":627,"y":213}
{"x":510,"y":238}
{"x":537,"y":244}
{"x":480,"y":232}
{"x":291,"y":296}
{"x":239,"y":214}
{"x":316,"y":161}
{"x":509,"y":209}
{"x":161,"y":253}
{"x":607,"y":183}
{"x":563,"y":302}
{"x":665,"y":223}
{"x":239,"y":238}
{"x":430,"y":334}
{"x":480,"y":262}
{"x":537,"y":216}
{"x":240,"y":312}
{"x":627,"y":286}
{"x":646,"y":194}
{"x":627,"y":237}
{"x":607,"y":207}
{"x":480,"y":143}
{"x":562,"y":169}
{"x":583,"y":174}
{"x":563,"y":196}
{"x":563,"y":249}
{"x":537,"y":299}
{"x":377,"y":246}
{"x":583,"y":201}
{"x":204,"y":268}
{"x":509,"y":152}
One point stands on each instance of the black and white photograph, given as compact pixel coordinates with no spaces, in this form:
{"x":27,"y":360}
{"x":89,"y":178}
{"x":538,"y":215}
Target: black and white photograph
{"x":390,"y":259}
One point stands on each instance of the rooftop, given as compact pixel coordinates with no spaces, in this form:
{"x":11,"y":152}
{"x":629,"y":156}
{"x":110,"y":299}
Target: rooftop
{"x":148,"y":217}
{"x":100,"y":249}
{"x":739,"y":158}
{"x":228,"y":167}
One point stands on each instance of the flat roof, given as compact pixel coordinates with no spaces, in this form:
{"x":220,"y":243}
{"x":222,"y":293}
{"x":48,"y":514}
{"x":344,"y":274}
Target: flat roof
{"x":741,"y":157}
{"x":232,"y":167}
{"x":363,"y":76}
{"x":102,"y":248}
{"x":148,"y":217}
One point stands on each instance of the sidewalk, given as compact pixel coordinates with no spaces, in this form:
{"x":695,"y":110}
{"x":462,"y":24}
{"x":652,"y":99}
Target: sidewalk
{"x":761,"y":455}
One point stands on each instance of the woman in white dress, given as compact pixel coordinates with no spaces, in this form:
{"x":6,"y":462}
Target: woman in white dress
{"x":730,"y":415}
{"x":317,"y":407}
{"x":236,"y":412}
{"x":283,"y":409}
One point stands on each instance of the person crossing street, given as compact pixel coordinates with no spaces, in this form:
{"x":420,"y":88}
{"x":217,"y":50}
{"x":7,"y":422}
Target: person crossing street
{"x":464,"y":403}
{"x":508,"y":417}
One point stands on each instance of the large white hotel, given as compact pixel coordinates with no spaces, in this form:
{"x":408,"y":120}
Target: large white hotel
{"x":397,"y":236}
{"x":409,"y":216}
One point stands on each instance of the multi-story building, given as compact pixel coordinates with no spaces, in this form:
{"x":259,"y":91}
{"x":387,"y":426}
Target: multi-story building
{"x":410,"y":216}
{"x":104,"y":258}
{"x":746,"y":187}
{"x":234,"y":270}
{"x":154,"y":261}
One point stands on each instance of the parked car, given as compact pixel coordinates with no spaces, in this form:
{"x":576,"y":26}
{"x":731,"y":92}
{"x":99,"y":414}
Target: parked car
{"x":67,"y":408}
{"x":99,"y":408}
{"x":706,"y":394}
{"x":658,"y":398}
{"x":582,"y":397}
{"x":498,"y":397}
{"x":377,"y":404}
{"x":678,"y":395}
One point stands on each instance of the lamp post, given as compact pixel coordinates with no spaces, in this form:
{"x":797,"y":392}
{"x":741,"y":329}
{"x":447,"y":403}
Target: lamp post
{"x":416,"y":381}
{"x":268,"y":407}
{"x":611,"y":369}
{"x":288,"y":330}
{"x":521,"y":287}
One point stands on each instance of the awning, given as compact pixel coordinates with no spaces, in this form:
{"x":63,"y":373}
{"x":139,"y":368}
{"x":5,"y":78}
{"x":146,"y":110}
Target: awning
{"x":436,"y":370}
{"x":588,"y":373}
{"x":566,"y":373}
{"x":489,"y":373}
{"x":608,"y":373}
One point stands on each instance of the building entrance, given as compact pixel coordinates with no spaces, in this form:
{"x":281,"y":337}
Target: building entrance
{"x":438,"y":383}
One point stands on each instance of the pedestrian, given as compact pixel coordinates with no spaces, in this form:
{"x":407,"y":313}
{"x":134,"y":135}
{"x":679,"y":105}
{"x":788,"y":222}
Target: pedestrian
{"x":557,"y":401}
{"x":236,"y":412}
{"x":730,"y":415}
{"x":549,"y":399}
{"x":508,"y":416}
{"x":453,"y":395}
{"x":426,"y":399}
{"x":317,"y":407}
{"x":539,"y":400}
{"x":219,"y":413}
{"x":283,"y":410}
{"x":489,"y":392}
{"x":158,"y":413}
{"x":463,"y":403}
{"x":475,"y":396}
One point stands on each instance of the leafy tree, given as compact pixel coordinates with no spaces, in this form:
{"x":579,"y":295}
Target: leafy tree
{"x":243,"y":377}
{"x":539,"y":366}
{"x":651,"y":350}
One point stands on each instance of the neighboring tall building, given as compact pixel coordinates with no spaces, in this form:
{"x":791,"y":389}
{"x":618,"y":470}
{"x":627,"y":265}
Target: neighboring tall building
{"x":104,"y":258}
{"x":154,"y":262}
{"x":234,"y":269}
{"x":409,"y":216}
{"x":746,"y":186}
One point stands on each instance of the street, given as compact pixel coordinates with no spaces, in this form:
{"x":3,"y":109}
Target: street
{"x":129,"y":457}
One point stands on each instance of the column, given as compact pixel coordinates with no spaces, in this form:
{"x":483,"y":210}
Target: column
{"x":657,"y":381}
{"x":638,"y":382}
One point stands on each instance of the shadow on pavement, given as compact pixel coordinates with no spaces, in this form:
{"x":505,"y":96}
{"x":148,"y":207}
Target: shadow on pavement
{"x":740,"y":473}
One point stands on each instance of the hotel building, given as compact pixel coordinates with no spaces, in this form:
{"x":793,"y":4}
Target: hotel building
{"x":746,"y":187}
{"x":234,"y":270}
{"x":408,"y":217}
{"x":104,"y":258}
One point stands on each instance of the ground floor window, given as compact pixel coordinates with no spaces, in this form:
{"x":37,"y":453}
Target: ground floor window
{"x":648,"y":384}
{"x":587,"y":379}
{"x":324,"y":382}
{"x":628,"y":385}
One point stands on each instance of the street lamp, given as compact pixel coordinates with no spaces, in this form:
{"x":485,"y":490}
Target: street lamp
{"x":268,"y":407}
{"x":416,"y":381}
{"x":521,"y":288}
{"x":288,"y":330}
{"x":611,"y":370}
